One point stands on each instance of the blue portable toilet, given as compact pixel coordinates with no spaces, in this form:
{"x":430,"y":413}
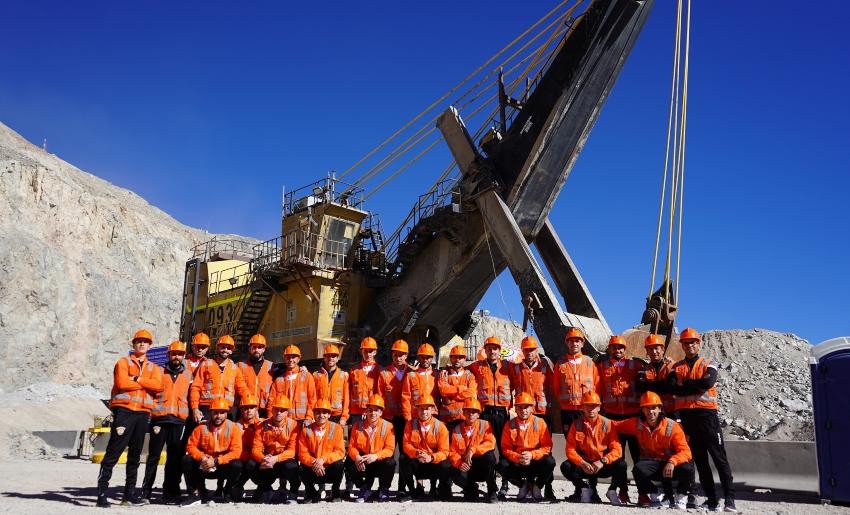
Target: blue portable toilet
{"x":830,"y":368}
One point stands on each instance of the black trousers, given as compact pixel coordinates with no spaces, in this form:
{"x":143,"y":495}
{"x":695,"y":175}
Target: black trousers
{"x":538,"y":471}
{"x":196,"y":479}
{"x":249,"y":471}
{"x":647,"y":471}
{"x":127,"y":432}
{"x":333,"y":475}
{"x":398,"y":428}
{"x":483,"y":469}
{"x":171,"y":436}
{"x":497,"y":416}
{"x":567,"y":419}
{"x":382,"y":469}
{"x":705,"y":438}
{"x":580,"y":479}
{"x":284,"y":471}
{"x":437,"y":473}
{"x":627,"y":440}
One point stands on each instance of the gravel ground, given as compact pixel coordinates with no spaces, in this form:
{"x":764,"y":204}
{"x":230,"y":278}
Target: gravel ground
{"x":68,"y":485}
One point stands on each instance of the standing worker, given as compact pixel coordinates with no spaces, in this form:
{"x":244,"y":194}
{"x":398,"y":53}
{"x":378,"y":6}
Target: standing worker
{"x":575,"y":374}
{"x":332,"y":384}
{"x":200,"y":347}
{"x":527,"y":451}
{"x":296,"y":383}
{"x":419,"y":382}
{"x":363,"y":380}
{"x":472,"y":453}
{"x":653,"y":376}
{"x":492,"y":377}
{"x":692,"y":380}
{"x":135,"y":383}
{"x":370,"y":453}
{"x":389,"y":387}
{"x":168,"y":425}
{"x":217,"y":378}
{"x":257,"y":372}
{"x":457,"y":386}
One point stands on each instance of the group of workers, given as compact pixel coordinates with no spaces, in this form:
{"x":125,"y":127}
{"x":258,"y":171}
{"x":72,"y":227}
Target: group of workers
{"x":264,"y":422}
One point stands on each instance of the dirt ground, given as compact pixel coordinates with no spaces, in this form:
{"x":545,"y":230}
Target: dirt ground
{"x":68,"y":485}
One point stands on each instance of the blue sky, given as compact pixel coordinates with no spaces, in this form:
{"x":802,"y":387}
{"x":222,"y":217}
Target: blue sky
{"x":207,"y":109}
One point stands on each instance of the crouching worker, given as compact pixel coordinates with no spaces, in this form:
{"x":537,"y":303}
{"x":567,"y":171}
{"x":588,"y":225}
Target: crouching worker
{"x":370,"y":453}
{"x":321,"y":451}
{"x":273,"y":449}
{"x":213,"y":452}
{"x":527,"y":451}
{"x":664,"y":454}
{"x":248,"y":422}
{"x":593,"y":451}
{"x":426,"y":452}
{"x":472,"y":454}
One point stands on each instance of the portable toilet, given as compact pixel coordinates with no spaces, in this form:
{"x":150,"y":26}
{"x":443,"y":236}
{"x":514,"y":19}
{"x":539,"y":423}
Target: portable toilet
{"x":830,"y":368}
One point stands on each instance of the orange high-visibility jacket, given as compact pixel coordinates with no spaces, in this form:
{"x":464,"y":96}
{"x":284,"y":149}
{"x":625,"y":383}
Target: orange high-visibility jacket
{"x":705,"y":400}
{"x":478,"y":437}
{"x":435,"y":441}
{"x":363,"y":385}
{"x":381,"y":443}
{"x":135,"y":395}
{"x":329,"y":446}
{"x":493,"y":389}
{"x":174,"y":398}
{"x":260,"y":383}
{"x":661,"y":375}
{"x":277,"y":441}
{"x":301,"y":392}
{"x":592,"y":441}
{"x":455,"y":390}
{"x":664,"y":443}
{"x":571,"y":380}
{"x":193,"y":363}
{"x":535,"y":438}
{"x":389,"y":387}
{"x":617,"y":386}
{"x":533,"y":381}
{"x":417,"y":384}
{"x":211,"y":382}
{"x":334,"y":388}
{"x":223,"y":442}
{"x":248,"y":432}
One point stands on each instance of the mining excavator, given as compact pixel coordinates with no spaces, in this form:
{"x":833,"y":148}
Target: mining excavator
{"x":334,"y":275}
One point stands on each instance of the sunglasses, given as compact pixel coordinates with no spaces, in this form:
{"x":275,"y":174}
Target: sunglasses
{"x":230,"y":347}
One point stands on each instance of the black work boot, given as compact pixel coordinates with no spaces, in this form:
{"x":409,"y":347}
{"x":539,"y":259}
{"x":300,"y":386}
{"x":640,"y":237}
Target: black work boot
{"x":132,"y":498}
{"x":102,"y":499}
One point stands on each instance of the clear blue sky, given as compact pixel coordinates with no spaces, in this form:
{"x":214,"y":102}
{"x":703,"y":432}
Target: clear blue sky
{"x":207,"y":109}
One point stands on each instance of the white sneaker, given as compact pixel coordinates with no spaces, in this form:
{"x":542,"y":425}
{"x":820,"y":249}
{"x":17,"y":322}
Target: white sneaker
{"x":362,"y":496}
{"x":680,"y":501}
{"x":523,"y":492}
{"x":586,"y":495}
{"x":654,"y":502}
{"x":613,"y":498}
{"x":536,"y":494}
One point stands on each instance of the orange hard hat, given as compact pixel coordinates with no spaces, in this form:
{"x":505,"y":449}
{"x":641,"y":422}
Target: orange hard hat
{"x":650,"y":399}
{"x":400,"y":346}
{"x":591,"y":398}
{"x":257,"y":339}
{"x":225,"y":340}
{"x":249,"y":400}
{"x":426,"y":350}
{"x":472,"y":404}
{"x":219,"y":405}
{"x":524,"y":399}
{"x":529,"y":343}
{"x":493,"y":340}
{"x":689,"y":335}
{"x":292,"y":350}
{"x":143,"y":334}
{"x":574,"y":332}
{"x":322,"y":404}
{"x":426,"y":400}
{"x":458,"y":350}
{"x":653,"y":340}
{"x":376,"y":400}
{"x":368,"y":343}
{"x":331,"y":349}
{"x":617,"y":340}
{"x":177,"y":346}
{"x":281,"y":402}
{"x":201,"y":339}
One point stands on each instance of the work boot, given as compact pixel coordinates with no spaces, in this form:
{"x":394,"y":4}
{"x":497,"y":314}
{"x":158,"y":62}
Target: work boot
{"x":729,"y":506}
{"x":613,"y":498}
{"x":549,"y":494}
{"x":194,"y":499}
{"x":575,"y":497}
{"x":624,"y":496}
{"x":132,"y":498}
{"x":524,"y":490}
{"x":102,"y":499}
{"x":492,"y":498}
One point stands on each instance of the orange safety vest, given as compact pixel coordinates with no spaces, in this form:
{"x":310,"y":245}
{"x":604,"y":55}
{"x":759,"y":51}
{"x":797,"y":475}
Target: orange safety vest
{"x":455,"y":390}
{"x":667,"y":399}
{"x":330,"y":446}
{"x":277,"y":441}
{"x":532,"y":381}
{"x":705,"y":400}
{"x":211,"y":382}
{"x":301,"y":392}
{"x":224,"y":443}
{"x":571,"y":381}
{"x":389,"y":387}
{"x":260,"y":383}
{"x":363,"y":386}
{"x":333,"y":388}
{"x":135,"y":395}
{"x":174,"y":398}
{"x":536,"y":438}
{"x":248,"y":431}
{"x":666,"y":442}
{"x":480,"y":440}
{"x":493,"y":389}
{"x":416,"y":385}
{"x":381,"y":443}
{"x":435,"y":442}
{"x":592,"y":443}
{"x":617,"y":386}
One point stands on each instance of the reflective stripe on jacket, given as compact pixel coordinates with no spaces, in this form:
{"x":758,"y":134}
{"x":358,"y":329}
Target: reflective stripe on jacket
{"x":211,"y":382}
{"x":666,"y":442}
{"x":570,"y":381}
{"x":381,"y":443}
{"x":276,"y":441}
{"x":532,"y":381}
{"x":333,"y":388}
{"x":135,"y":395}
{"x":174,"y":398}
{"x":617,"y":386}
{"x":593,"y":441}
{"x":480,"y":440}
{"x":455,"y":390}
{"x":705,"y":400}
{"x":363,"y":385}
{"x":416,"y":385}
{"x":330,"y":446}
{"x":301,"y":392}
{"x":260,"y":383}
{"x":435,"y":442}
{"x":389,"y":387}
{"x":223,"y":442}
{"x":493,"y":389}
{"x":535,"y":438}
{"x":661,"y":375}
{"x":248,"y":431}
